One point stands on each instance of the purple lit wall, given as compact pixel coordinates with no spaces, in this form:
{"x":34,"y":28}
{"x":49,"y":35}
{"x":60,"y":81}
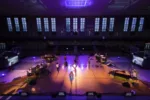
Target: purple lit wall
{"x":77,"y":3}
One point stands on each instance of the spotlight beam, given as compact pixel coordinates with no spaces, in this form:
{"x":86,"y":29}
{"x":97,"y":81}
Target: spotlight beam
{"x":85,"y":3}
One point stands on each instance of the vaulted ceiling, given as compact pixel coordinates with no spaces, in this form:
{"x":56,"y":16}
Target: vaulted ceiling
{"x":58,"y":8}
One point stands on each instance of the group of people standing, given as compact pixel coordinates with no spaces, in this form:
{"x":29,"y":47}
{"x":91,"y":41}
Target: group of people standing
{"x":73,"y":72}
{"x":66,"y":63}
{"x":57,"y":67}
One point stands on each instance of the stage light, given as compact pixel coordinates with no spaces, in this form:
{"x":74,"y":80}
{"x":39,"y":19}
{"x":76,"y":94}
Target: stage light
{"x":69,"y":66}
{"x":90,"y":94}
{"x":3,"y":74}
{"x":72,"y":69}
{"x":62,"y":94}
{"x":62,"y":66}
{"x":82,"y":48}
{"x":77,"y":3}
{"x":128,"y":94}
{"x":74,"y":65}
{"x":24,"y":94}
{"x":67,"y":48}
{"x":33,"y":89}
{"x":82,"y":66}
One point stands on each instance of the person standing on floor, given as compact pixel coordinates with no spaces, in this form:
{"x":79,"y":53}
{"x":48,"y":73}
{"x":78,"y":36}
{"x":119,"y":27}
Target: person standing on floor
{"x":75,"y":69}
{"x":71,"y":76}
{"x":65,"y":58}
{"x":57,"y":67}
{"x":89,"y":63}
{"x":76,"y":59}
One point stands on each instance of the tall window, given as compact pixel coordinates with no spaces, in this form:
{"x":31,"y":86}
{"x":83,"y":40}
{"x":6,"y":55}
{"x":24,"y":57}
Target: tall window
{"x":134,"y":20}
{"x":111,"y":25}
{"x":104,"y":24}
{"x":82,"y":24}
{"x":53,"y":24}
{"x":97,"y":21}
{"x":17,"y":24}
{"x":24,"y":24}
{"x":9,"y":23}
{"x":75,"y":24}
{"x":39,"y":25}
{"x":126,"y":24}
{"x":46,"y":24}
{"x":141,"y":23}
{"x":68,"y":25}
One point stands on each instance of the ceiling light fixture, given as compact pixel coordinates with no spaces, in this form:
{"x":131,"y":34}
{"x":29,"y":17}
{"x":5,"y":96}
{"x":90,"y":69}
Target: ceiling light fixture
{"x":77,"y":3}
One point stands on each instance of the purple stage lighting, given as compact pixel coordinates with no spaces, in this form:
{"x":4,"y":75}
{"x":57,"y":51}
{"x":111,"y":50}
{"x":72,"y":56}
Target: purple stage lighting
{"x":3,"y":74}
{"x":77,"y":3}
